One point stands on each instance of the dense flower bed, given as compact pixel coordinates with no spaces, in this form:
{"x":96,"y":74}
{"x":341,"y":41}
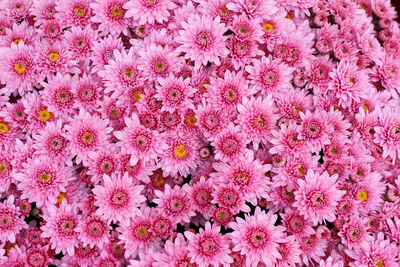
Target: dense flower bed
{"x":199,"y":133}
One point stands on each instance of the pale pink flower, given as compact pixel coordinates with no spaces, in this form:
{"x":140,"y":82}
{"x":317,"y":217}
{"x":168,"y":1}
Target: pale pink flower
{"x":148,"y":11}
{"x":10,"y":222}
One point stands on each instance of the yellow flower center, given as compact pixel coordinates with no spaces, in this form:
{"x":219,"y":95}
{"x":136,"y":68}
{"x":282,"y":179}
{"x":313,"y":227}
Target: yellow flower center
{"x":365,"y":107}
{"x":191,"y":120}
{"x":363,"y":6}
{"x":180,"y":151}
{"x":16,"y":41}
{"x":128,"y":73}
{"x":225,"y":10}
{"x":80,"y":11}
{"x":116,"y":11}
{"x":203,"y":88}
{"x":44,"y":115}
{"x":2,"y":168}
{"x":142,"y":232}
{"x":19,"y":68}
{"x":352,"y":80}
{"x":54,"y":56}
{"x":362,"y":195}
{"x":288,"y":16}
{"x":160,"y":180}
{"x":333,"y":151}
{"x":137,"y":96}
{"x":259,"y":121}
{"x":60,"y":197}
{"x":268,"y":27}
{"x":379,"y":264}
{"x":45,"y":177}
{"x":302,"y":170}
{"x":88,"y":137}
{"x":3,"y":127}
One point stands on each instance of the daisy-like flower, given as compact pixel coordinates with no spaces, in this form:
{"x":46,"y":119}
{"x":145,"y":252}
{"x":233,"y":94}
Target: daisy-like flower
{"x":137,"y":237}
{"x":231,"y":197}
{"x":269,"y":75}
{"x":175,"y":203}
{"x":42,"y":180}
{"x":8,"y":133}
{"x":159,"y":61}
{"x":118,"y":198}
{"x":54,"y":58}
{"x":51,"y":142}
{"x":368,"y":193}
{"x":349,"y":83}
{"x":60,"y":227}
{"x":175,"y":93}
{"x":138,"y":141}
{"x":201,"y":195}
{"x":180,"y":156}
{"x":296,"y":224}
{"x":248,"y":174}
{"x":354,"y":233}
{"x":318,"y":196}
{"x":74,"y":12}
{"x":149,"y":11}
{"x":103,"y":161}
{"x":93,"y":231}
{"x":51,"y":29}
{"x":43,"y":10}
{"x":18,"y":69}
{"x":6,"y":170}
{"x":19,"y":33}
{"x":257,"y":119}
{"x":387,"y":135}
{"x":103,"y":51}
{"x":242,"y":52}
{"x":110,"y":15}
{"x":388,"y":73}
{"x":10,"y":222}
{"x":176,"y":253}
{"x":228,"y":92}
{"x":290,"y":252}
{"x":257,"y":237}
{"x":208,"y":247}
{"x":86,"y":133}
{"x":202,"y":40}
{"x":230,"y":144}
{"x":312,"y":249}
{"x":80,"y":41}
{"x":209,"y":120}
{"x":87,"y":91}
{"x":57,"y":95}
{"x":314,"y":130}
{"x":255,"y":9}
{"x":121,"y":73}
{"x":246,"y":29}
{"x":379,"y":252}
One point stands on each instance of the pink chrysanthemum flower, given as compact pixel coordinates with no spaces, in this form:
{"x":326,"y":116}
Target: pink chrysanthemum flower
{"x":215,"y":9}
{"x":43,"y":10}
{"x":42,"y":180}
{"x":80,"y":41}
{"x":18,"y":69}
{"x":354,"y":233}
{"x":74,"y":12}
{"x":57,"y":95}
{"x":53,"y":58}
{"x":257,"y":238}
{"x":103,"y":161}
{"x":51,"y":142}
{"x":148,"y":11}
{"x":121,"y":73}
{"x":10,"y":222}
{"x":292,"y":102}
{"x":201,"y":196}
{"x":387,"y":135}
{"x":349,"y":83}
{"x":19,"y":33}
{"x":208,"y":247}
{"x":286,"y":141}
{"x":175,"y":93}
{"x":110,"y":15}
{"x":312,"y":249}
{"x":228,"y":92}
{"x":314,"y":130}
{"x":7,"y":171}
{"x":180,"y":156}
{"x":257,"y":119}
{"x":242,"y":52}
{"x":87,"y":91}
{"x":296,"y":224}
{"x":317,"y":73}
{"x":387,"y":72}
{"x":380,"y":252}
{"x":103,"y":51}
{"x":175,"y":253}
{"x":159,"y":61}
{"x":246,"y":29}
{"x":368,"y":193}
{"x":17,"y":10}
{"x":231,"y":197}
{"x":51,"y":29}
{"x":93,"y":231}
{"x":209,"y":120}
{"x":8,"y":133}
{"x":274,"y":27}
{"x":140,"y":171}
{"x":230,"y":144}
{"x":60,"y":227}
{"x":138,"y":141}
{"x":175,"y":203}
{"x":269,"y":75}
{"x":86,"y":133}
{"x":118,"y":198}
{"x":255,"y":9}
{"x":202,"y":40}
{"x":318,"y":196}
{"x":290,"y":252}
{"x":137,"y":237}
{"x":247,"y":173}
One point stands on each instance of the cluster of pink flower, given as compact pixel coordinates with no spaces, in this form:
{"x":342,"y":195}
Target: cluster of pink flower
{"x":199,"y":133}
